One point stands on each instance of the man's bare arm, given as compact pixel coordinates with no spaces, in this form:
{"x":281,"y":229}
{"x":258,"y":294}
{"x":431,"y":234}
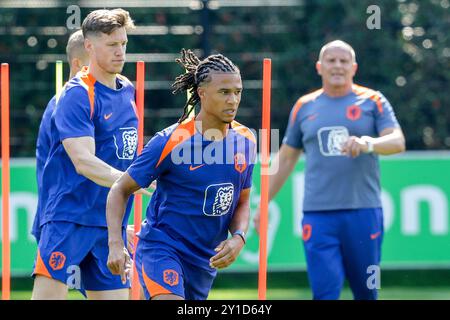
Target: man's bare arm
{"x":82,"y":153}
{"x":118,"y":196}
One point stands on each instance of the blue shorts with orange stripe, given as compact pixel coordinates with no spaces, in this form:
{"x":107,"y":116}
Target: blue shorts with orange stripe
{"x":161,"y":270}
{"x":339,"y":245}
{"x":76,"y":255}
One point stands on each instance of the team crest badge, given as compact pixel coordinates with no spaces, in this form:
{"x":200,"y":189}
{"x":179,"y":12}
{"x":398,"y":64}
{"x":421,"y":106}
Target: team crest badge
{"x":126,"y":143}
{"x":57,"y":260}
{"x":331,"y":140}
{"x":218,"y":199}
{"x":353,"y":112}
{"x":307,"y":229}
{"x":240,"y":164}
{"x":170,"y":277}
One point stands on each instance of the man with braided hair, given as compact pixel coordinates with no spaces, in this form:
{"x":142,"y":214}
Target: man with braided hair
{"x":203,"y":167}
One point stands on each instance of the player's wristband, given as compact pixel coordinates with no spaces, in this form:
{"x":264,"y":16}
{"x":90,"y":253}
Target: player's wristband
{"x":241,"y":234}
{"x":369,"y":146}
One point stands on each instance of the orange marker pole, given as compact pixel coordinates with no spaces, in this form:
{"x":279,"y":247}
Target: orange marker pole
{"x":265,"y":157}
{"x":6,"y":246}
{"x":140,"y":87}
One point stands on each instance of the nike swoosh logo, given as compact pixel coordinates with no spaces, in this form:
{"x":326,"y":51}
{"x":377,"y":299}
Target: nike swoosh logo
{"x":375,"y":235}
{"x":191,"y":168}
{"x":107,"y":116}
{"x":312,"y":117}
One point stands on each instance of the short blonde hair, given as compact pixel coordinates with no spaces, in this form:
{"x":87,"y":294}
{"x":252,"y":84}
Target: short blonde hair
{"x":106,"y":21}
{"x":75,"y":46}
{"x":338,"y":44}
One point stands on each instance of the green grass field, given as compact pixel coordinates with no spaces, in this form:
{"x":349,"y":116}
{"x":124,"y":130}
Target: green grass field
{"x":390,"y":293}
{"x":433,"y":284}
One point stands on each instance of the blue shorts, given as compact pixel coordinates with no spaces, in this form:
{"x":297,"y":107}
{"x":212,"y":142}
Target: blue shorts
{"x":76,"y":255}
{"x":161,"y":270}
{"x":343,"y":244}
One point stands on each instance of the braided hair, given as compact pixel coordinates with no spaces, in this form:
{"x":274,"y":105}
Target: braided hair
{"x":197,"y":72}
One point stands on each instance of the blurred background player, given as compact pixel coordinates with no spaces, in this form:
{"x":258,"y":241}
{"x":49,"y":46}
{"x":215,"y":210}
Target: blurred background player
{"x":342,"y":128}
{"x":77,"y":57}
{"x":94,"y":139}
{"x":183,"y":239}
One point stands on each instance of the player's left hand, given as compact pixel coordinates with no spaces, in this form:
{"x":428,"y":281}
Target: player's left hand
{"x":354,"y":146}
{"x":227,"y":252}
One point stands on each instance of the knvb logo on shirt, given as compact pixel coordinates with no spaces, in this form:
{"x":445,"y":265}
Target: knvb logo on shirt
{"x":331,"y":140}
{"x":353,"y":112}
{"x":126,"y":143}
{"x":218,"y":199}
{"x":240,"y":164}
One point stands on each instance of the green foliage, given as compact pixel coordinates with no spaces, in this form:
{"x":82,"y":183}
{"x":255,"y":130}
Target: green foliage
{"x":407,"y":59}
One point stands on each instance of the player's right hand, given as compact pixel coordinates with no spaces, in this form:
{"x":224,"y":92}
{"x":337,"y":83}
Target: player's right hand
{"x":119,"y":262}
{"x":256,"y":219}
{"x":354,"y":146}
